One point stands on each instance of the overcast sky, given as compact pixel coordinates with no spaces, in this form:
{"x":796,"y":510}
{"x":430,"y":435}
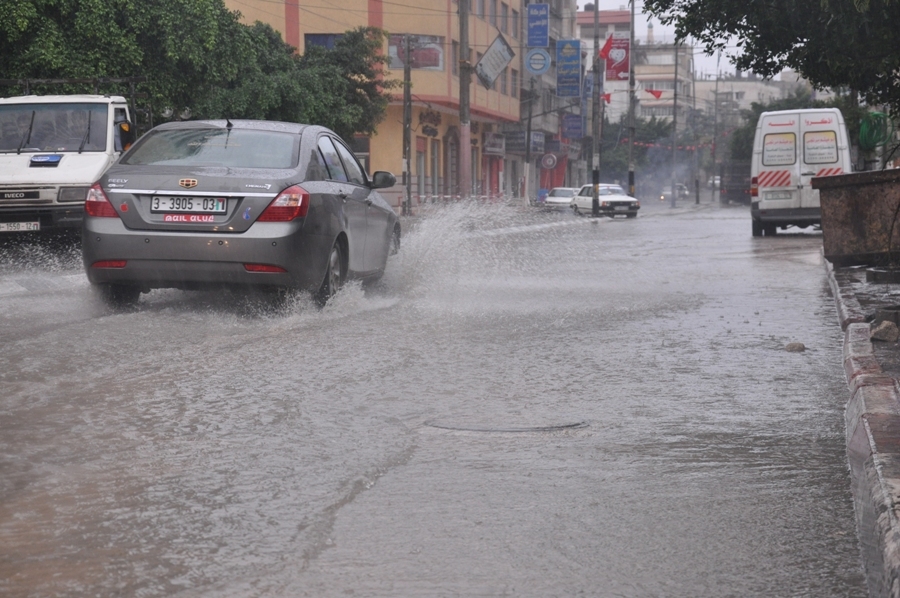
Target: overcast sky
{"x":705,"y":64}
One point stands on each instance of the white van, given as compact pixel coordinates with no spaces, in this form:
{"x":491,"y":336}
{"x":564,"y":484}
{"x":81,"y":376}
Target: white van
{"x":790,"y":148}
{"x":52,"y":149}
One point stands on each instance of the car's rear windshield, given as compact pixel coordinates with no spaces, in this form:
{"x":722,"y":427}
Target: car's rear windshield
{"x":234,"y":148}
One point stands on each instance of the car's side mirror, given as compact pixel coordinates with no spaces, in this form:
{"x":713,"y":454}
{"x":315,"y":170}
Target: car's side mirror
{"x":382,"y":179}
{"x":125,"y":131}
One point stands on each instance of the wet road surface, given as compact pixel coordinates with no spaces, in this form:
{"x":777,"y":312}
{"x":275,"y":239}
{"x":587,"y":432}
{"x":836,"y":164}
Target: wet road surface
{"x":527,"y":405}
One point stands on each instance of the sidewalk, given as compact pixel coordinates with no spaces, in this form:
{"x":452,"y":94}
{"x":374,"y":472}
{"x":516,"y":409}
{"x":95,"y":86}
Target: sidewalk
{"x":872,"y":419}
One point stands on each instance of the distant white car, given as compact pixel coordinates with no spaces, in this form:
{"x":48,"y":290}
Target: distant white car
{"x":681,"y":192}
{"x":613,"y":201}
{"x":559,"y":198}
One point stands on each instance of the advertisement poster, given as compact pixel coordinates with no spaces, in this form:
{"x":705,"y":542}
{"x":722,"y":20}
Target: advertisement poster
{"x":427,"y":52}
{"x":497,"y":57}
{"x":568,"y":68}
{"x":779,"y":149}
{"x":617,"y":61}
{"x":538,"y":25}
{"x":820,"y":147}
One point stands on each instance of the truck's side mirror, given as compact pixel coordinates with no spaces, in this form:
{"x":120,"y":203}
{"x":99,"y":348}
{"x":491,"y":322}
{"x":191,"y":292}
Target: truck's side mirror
{"x":125,"y":134}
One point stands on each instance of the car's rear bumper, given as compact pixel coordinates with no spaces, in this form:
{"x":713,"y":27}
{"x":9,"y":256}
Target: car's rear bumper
{"x":187,"y":260}
{"x":55,"y":217}
{"x":801,"y":217}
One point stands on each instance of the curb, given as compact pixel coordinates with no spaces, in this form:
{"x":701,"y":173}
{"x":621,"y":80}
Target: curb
{"x":872,"y":420}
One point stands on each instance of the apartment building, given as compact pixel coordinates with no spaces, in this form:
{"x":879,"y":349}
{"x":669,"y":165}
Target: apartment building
{"x":434,"y":33}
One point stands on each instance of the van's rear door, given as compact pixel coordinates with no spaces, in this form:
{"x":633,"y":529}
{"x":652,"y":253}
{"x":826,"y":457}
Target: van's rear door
{"x":820,"y":153}
{"x":777,"y":178}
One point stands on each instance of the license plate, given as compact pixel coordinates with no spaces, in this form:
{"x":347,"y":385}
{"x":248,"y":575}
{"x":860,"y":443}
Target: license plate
{"x":623,"y":208}
{"x":188,"y":205}
{"x":778,"y":195}
{"x":18,"y":227}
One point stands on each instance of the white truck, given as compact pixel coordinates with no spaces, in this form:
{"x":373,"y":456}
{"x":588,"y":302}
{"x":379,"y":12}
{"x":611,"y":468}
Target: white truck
{"x":52,"y":149}
{"x":790,"y":148}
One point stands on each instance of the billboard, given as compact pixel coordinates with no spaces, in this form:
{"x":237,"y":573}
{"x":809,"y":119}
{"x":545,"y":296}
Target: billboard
{"x":618,"y":59}
{"x":538,"y":26}
{"x":427,"y":52}
{"x":497,"y":57}
{"x":568,"y":68}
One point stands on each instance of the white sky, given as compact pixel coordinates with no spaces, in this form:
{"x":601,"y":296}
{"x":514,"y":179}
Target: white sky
{"x":705,"y":64}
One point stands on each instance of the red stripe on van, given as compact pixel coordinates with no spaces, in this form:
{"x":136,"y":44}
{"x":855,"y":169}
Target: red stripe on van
{"x":830,"y":171}
{"x":775,"y":178}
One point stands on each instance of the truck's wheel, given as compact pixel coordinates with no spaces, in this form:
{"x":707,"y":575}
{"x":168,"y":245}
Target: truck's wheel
{"x":757,"y":228}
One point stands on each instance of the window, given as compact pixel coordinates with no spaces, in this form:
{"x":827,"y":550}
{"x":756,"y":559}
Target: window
{"x":326,"y":40}
{"x":514,"y":83}
{"x":515,"y":23}
{"x":332,"y":160}
{"x":354,"y":170}
{"x":504,"y":18}
{"x":480,"y":9}
{"x":820,"y":147}
{"x":779,"y":149}
{"x":503,"y":76}
{"x":234,"y":148}
{"x":493,"y":12}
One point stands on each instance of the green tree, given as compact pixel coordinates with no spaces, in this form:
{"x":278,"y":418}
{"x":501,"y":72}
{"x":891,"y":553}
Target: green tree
{"x":197,"y":54}
{"x":832,"y":43}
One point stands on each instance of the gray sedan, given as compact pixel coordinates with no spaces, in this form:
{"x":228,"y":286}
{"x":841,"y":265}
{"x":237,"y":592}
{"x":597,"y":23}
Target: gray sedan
{"x":243,"y":203}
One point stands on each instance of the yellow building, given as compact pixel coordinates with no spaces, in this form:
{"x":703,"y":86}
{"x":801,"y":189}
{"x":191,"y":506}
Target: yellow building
{"x":433,"y":27}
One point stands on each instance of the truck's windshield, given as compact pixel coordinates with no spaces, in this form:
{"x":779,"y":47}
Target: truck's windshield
{"x":53,"y":127}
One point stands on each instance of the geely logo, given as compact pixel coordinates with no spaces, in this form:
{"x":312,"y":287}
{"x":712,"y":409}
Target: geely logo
{"x":188,"y":183}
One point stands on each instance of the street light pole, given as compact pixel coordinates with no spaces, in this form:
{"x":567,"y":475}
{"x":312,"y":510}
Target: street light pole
{"x":407,"y":125}
{"x":675,"y":128}
{"x":595,"y":117}
{"x":631,"y":127}
{"x":465,"y":130}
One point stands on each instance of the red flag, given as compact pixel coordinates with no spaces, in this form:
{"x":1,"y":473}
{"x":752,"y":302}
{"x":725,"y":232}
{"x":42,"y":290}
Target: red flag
{"x":607,"y":97}
{"x":604,"y":51}
{"x":656,"y":93}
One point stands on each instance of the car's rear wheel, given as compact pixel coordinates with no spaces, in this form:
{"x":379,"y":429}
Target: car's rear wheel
{"x":395,"y":240}
{"x":119,"y":295}
{"x":334,"y":275}
{"x":576,"y":210}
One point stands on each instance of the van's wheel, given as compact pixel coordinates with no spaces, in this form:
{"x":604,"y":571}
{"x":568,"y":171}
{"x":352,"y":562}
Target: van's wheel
{"x":334,"y":275}
{"x":757,"y":228}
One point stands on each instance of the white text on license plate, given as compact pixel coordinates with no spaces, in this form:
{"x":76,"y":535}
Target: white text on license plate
{"x":18,"y":227}
{"x":195,"y":205}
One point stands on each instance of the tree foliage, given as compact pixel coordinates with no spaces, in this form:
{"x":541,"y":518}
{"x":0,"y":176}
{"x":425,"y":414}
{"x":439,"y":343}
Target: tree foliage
{"x":832,"y":43}
{"x":197,"y":54}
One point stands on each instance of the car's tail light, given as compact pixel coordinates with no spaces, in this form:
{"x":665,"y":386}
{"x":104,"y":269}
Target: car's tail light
{"x":754,"y":187}
{"x":264,"y":268}
{"x":97,"y":204}
{"x":109,"y":264}
{"x":291,"y":203}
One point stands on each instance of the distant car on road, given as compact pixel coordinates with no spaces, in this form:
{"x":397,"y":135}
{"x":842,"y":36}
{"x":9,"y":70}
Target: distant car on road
{"x":613,"y":201}
{"x":681,"y":192}
{"x":244,"y":203}
{"x":559,"y":198}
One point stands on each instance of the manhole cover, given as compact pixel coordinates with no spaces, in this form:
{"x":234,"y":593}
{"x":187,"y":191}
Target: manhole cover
{"x":463,"y":427}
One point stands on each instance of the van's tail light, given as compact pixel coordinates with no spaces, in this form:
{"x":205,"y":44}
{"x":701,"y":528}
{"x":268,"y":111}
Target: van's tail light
{"x":754,"y":187}
{"x":97,"y":204}
{"x":291,"y":203}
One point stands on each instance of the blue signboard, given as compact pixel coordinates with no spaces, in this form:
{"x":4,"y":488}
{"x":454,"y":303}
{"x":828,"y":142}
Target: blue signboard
{"x":538,"y":25}
{"x":538,"y":61}
{"x":568,"y":68}
{"x":572,"y":126}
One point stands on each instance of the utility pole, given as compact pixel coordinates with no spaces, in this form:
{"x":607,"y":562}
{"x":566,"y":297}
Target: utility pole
{"x":675,"y":127}
{"x":527,"y":190}
{"x":465,"y":127}
{"x":696,"y":160}
{"x":716,"y":170}
{"x":595,"y":115}
{"x":407,"y":125}
{"x":631,"y":127}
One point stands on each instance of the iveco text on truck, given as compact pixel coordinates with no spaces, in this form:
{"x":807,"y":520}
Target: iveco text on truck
{"x":790,"y":148}
{"x":52,"y":149}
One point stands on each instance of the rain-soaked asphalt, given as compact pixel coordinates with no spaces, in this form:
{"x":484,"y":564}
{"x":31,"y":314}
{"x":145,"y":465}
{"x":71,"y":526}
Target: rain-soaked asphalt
{"x":527,"y":405}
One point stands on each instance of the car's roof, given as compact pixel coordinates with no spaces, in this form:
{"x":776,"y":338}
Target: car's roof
{"x":256,"y":125}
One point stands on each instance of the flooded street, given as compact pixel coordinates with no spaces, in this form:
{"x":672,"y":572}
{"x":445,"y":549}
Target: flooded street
{"x":528,"y":404}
